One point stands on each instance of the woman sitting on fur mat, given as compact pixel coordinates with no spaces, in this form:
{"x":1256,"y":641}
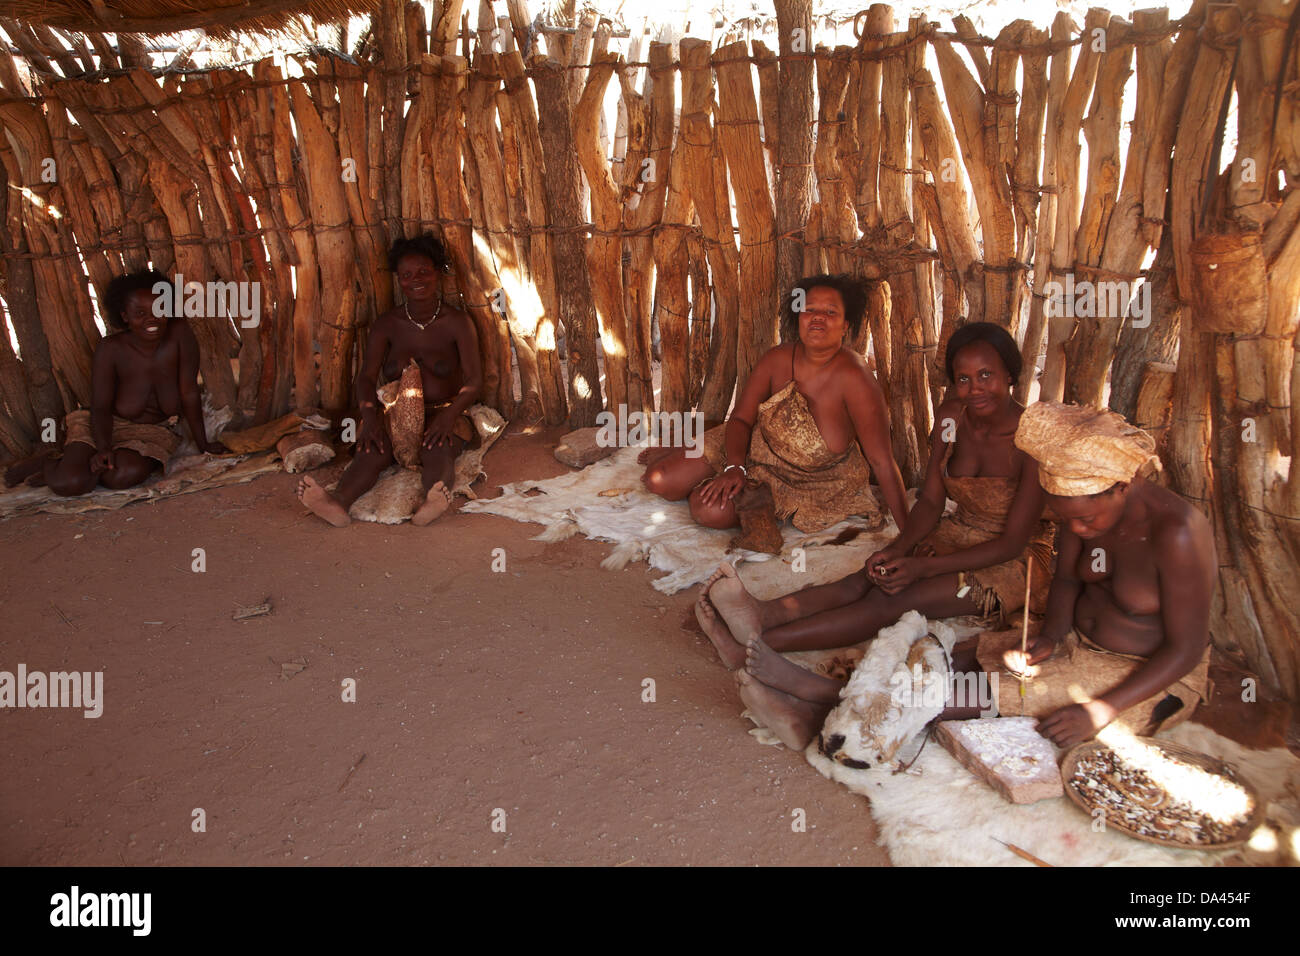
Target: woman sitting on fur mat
{"x":1126,"y":637}
{"x":806,"y":424}
{"x":144,"y":378}
{"x":428,"y":353}
{"x":973,"y":561}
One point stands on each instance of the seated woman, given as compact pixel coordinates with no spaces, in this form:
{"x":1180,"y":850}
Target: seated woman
{"x":1126,"y":637}
{"x":144,"y":377}
{"x":973,"y":561}
{"x":442,"y":343}
{"x":802,"y":424}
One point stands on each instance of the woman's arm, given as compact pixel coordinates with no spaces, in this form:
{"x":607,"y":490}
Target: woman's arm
{"x":757,"y":390}
{"x":927,"y":511}
{"x":1022,"y":519}
{"x":103,"y":386}
{"x":1061,"y":598}
{"x":442,"y":429}
{"x":368,"y":374}
{"x":866,"y":405}
{"x":740,"y":428}
{"x":471,"y":366}
{"x":371,"y":436}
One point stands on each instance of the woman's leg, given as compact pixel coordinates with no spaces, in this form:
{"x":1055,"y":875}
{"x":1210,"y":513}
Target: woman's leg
{"x":766,"y":665}
{"x":860,"y":620}
{"x":130,"y":468}
{"x":795,"y":720}
{"x":438,"y":475}
{"x":675,"y":475}
{"x":71,"y":474}
{"x":770,"y":614}
{"x":814,"y":600}
{"x":361,"y":474}
{"x":25,"y":468}
{"x":359,"y":477}
{"x":720,"y":516}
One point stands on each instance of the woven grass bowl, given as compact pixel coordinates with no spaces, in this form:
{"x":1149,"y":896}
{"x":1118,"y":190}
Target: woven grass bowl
{"x":1185,"y":754}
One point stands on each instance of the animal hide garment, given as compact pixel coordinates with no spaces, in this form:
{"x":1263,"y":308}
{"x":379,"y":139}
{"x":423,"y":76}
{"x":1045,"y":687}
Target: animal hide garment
{"x":607,"y":502}
{"x":403,"y":402}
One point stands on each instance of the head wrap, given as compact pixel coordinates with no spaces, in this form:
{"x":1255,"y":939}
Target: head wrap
{"x":1082,"y":450}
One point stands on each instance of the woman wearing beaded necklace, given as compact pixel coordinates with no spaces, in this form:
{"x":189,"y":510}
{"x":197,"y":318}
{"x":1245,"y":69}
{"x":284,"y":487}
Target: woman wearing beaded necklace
{"x":441,"y":342}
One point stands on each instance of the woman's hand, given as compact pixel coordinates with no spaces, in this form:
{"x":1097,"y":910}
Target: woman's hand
{"x":441,"y":430}
{"x":102,"y":461}
{"x":895,"y":575}
{"x":374,"y":437}
{"x":885,"y":556}
{"x":722,"y":488}
{"x":1040,"y":648}
{"x":1076,"y":723}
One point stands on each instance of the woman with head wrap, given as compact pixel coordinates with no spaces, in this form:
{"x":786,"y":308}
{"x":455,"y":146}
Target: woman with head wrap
{"x":1126,"y":636}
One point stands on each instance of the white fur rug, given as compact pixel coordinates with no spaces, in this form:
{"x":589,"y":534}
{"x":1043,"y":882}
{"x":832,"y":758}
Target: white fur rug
{"x":938,"y":814}
{"x":399,"y":491}
{"x":606,"y":502}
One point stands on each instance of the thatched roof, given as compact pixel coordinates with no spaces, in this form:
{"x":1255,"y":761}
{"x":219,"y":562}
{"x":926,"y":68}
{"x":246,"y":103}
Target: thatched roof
{"x":172,"y":16}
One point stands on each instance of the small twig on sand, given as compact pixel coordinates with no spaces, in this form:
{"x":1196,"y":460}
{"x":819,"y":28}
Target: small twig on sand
{"x":625,"y":862}
{"x":66,"y":620}
{"x":253,"y":610}
{"x":57,"y":544}
{"x":351,"y":771}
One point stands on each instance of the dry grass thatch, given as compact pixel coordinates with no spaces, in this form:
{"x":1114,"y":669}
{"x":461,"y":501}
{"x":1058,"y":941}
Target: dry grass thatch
{"x":170,"y":16}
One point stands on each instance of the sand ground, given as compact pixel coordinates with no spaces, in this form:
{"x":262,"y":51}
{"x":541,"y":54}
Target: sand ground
{"x":513,"y":697}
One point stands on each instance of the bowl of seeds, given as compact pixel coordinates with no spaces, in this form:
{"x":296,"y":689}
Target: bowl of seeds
{"x":1161,"y":792}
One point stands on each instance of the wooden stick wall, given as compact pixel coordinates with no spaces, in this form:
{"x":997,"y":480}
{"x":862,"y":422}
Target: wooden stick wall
{"x":944,"y":168}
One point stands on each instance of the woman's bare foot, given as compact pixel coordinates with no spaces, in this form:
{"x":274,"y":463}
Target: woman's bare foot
{"x":322,"y":503}
{"x":732,"y":654}
{"x":726,"y":569}
{"x":736,"y":605}
{"x":437,"y":501}
{"x":774,"y":670}
{"x":795,"y":721}
{"x":653,"y":454}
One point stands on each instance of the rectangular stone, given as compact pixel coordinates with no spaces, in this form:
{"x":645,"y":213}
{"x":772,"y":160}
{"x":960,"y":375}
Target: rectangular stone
{"x":1007,"y":753}
{"x":580,"y":448}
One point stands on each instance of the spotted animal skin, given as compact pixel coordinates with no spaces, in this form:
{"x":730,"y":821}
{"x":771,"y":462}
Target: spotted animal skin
{"x":404,"y":413}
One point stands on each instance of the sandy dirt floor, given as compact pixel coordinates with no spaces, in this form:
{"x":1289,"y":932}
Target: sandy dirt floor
{"x":477,"y":693}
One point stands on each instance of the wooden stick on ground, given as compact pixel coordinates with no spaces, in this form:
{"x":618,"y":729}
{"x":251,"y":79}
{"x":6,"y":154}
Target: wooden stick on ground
{"x":1024,"y":633}
{"x":1024,"y":855}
